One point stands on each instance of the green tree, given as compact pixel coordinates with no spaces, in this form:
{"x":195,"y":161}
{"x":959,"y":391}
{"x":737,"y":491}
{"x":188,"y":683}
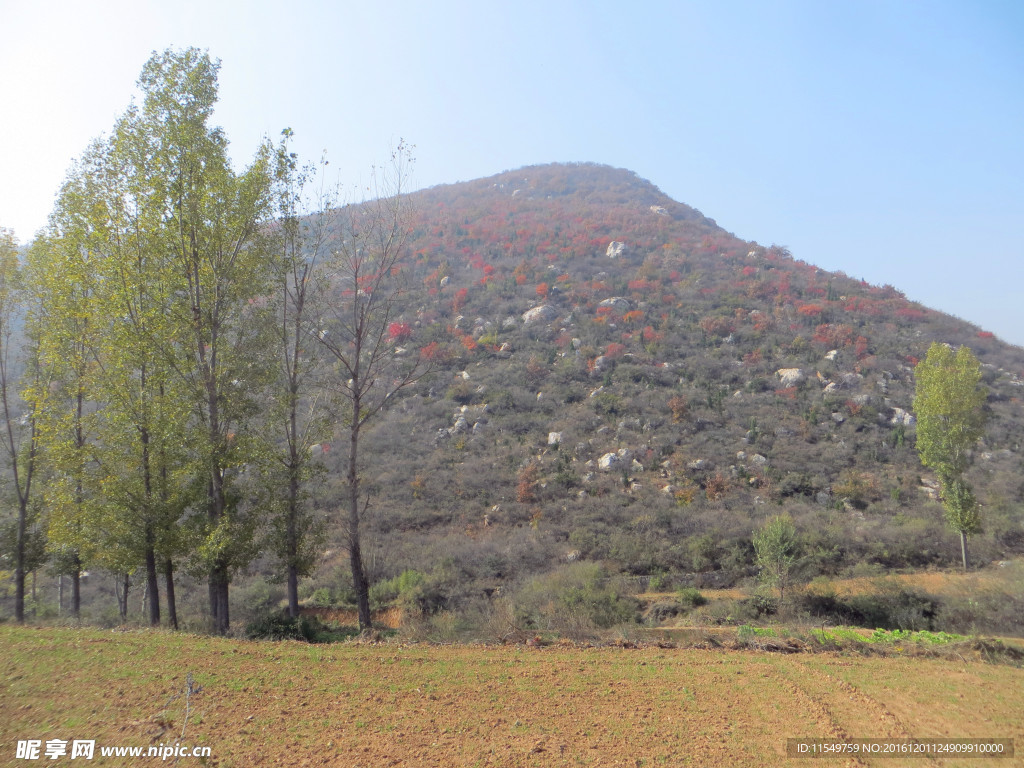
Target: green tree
{"x":20,"y":427}
{"x":949,"y":403}
{"x":212,"y":230}
{"x":102,"y":299}
{"x":146,"y":421}
{"x":297,"y":418}
{"x":61,"y":322}
{"x":155,"y":282}
{"x":776,"y":549}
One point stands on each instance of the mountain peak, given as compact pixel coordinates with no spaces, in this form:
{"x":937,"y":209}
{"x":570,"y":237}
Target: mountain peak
{"x":582,"y":184}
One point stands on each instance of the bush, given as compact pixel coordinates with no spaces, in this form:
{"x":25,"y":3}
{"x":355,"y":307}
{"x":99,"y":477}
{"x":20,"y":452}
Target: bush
{"x":888,"y":608}
{"x":258,"y":597}
{"x":762,"y":605}
{"x":574,"y":600}
{"x":321,"y":598}
{"x":414,"y":591}
{"x":691,"y":597}
{"x":281,"y":626}
{"x":385,"y":593}
{"x":665,"y":610}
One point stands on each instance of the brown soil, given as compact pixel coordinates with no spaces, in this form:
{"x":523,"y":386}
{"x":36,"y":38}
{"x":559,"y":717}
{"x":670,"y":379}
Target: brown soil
{"x":265,"y":704}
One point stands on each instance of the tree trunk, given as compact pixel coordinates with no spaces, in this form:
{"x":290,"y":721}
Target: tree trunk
{"x":221,"y":621}
{"x":76,"y":589}
{"x":293,"y":591}
{"x":963,"y":548}
{"x":219,"y":579}
{"x":122,"y":603}
{"x":19,"y":591}
{"x":359,"y":581}
{"x":172,"y":608}
{"x":292,"y":543}
{"x":76,"y":561}
{"x":152,"y":587}
{"x":19,"y":565}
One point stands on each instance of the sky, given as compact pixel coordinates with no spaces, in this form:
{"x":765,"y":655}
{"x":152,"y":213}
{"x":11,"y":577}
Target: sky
{"x":883,"y":139}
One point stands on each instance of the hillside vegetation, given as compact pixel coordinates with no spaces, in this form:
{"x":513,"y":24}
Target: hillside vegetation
{"x":677,"y":388}
{"x":621,"y":393}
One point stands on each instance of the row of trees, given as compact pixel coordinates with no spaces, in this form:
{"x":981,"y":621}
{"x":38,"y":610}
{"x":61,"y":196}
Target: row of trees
{"x":191,"y":332}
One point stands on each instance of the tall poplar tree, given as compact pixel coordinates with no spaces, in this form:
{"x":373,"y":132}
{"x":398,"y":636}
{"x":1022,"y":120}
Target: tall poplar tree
{"x":156,"y":267}
{"x":949,"y":402}
{"x":61,"y":276}
{"x":297,"y":419}
{"x":19,"y":431}
{"x":220,"y":267}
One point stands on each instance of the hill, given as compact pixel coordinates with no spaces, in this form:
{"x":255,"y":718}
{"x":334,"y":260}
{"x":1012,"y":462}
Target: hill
{"x":620,"y":381}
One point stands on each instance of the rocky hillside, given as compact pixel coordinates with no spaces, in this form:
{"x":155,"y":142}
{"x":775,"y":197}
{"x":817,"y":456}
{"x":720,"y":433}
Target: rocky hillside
{"x":619,"y":379}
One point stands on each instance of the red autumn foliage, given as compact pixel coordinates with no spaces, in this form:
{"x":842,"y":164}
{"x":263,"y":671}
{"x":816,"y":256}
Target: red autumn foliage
{"x":641,"y":286}
{"x":810,"y":310}
{"x":833,"y":335}
{"x":650,"y":335}
{"x":399,"y":331}
{"x":615,"y":350}
{"x":717,"y":326}
{"x":432,"y":351}
{"x":861,"y":347}
{"x":910,"y":313}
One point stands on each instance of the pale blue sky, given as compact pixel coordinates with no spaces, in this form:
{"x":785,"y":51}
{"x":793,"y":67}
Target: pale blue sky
{"x":885,"y":139}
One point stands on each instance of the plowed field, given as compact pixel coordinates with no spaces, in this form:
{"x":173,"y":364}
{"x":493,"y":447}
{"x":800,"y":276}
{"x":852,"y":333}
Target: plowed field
{"x":264,"y":704}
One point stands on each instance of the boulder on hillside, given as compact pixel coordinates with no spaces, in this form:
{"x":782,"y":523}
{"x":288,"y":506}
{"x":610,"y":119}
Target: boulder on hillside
{"x":899,"y":416}
{"x":790,"y":377}
{"x":615,"y":249}
{"x":543,"y":314}
{"x":851,"y":379}
{"x":617,"y":303}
